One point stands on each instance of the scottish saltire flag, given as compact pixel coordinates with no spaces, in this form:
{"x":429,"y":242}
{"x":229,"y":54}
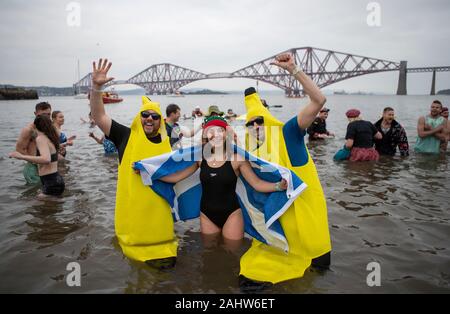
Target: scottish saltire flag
{"x":261,"y":211}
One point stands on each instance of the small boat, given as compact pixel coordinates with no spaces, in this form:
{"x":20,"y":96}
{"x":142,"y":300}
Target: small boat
{"x":79,"y":94}
{"x":176,"y":94}
{"x":111,"y":97}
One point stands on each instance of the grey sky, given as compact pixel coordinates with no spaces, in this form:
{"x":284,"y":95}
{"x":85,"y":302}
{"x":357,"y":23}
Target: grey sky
{"x":37,"y":47}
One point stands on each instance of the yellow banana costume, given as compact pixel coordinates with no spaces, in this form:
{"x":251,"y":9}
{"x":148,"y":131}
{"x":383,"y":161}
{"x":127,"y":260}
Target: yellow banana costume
{"x":305,"y":223}
{"x":143,"y":220}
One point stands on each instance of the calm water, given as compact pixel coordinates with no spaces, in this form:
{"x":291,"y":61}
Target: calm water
{"x":395,"y":212}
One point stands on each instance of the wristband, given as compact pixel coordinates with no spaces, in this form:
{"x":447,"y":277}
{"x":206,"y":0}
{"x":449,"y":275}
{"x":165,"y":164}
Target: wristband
{"x":278,"y":187}
{"x":296,"y":70}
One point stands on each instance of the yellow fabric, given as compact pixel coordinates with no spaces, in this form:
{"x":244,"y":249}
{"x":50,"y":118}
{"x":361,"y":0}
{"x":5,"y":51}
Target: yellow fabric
{"x":143,"y":220}
{"x":305,"y":223}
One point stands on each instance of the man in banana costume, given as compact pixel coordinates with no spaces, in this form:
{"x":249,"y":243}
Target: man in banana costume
{"x":143,"y":220}
{"x":305,"y":223}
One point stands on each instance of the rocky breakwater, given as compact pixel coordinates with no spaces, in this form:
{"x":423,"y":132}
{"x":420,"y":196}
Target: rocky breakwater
{"x":12,"y":93}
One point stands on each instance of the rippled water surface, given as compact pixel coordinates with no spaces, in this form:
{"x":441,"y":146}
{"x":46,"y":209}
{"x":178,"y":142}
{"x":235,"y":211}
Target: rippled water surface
{"x":395,"y":212}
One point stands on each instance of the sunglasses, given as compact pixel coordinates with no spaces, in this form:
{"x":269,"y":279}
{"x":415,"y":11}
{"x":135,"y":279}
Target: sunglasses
{"x":146,"y":114}
{"x":258,"y":121}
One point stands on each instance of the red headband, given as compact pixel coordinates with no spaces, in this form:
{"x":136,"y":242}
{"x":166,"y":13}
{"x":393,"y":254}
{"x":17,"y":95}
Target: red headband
{"x":215,"y":122}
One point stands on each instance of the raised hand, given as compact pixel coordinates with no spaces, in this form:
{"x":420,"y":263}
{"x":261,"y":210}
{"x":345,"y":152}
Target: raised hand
{"x":99,"y":74}
{"x":70,"y":140}
{"x":285,"y":61}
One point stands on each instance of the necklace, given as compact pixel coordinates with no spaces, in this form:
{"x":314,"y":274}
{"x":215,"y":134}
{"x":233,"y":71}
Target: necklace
{"x":214,"y":161}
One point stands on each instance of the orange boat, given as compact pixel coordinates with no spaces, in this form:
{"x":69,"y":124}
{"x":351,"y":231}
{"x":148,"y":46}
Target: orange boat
{"x":111,"y":97}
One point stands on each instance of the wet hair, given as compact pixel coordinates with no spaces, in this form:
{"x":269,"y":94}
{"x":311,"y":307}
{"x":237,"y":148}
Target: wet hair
{"x":172,"y":108}
{"x":437,"y":102}
{"x":388,"y":109}
{"x":42,"y":106}
{"x":44,"y":124}
{"x":55,"y":114}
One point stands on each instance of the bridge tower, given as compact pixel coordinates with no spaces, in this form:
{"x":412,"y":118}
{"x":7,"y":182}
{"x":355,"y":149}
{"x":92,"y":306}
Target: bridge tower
{"x":401,"y":90}
{"x":433,"y":84}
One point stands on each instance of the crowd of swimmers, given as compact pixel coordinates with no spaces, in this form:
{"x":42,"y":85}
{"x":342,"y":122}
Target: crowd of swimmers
{"x":43,"y":143}
{"x":366,"y":141}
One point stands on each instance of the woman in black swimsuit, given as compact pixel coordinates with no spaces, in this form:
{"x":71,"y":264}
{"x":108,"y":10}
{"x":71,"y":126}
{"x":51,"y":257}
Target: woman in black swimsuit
{"x":219,"y":170}
{"x":47,"y":142}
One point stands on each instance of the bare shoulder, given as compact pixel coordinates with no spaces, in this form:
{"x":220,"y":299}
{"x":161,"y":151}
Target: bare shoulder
{"x":42,"y":141}
{"x":40,"y":138}
{"x":28,"y":129}
{"x":447,"y":124}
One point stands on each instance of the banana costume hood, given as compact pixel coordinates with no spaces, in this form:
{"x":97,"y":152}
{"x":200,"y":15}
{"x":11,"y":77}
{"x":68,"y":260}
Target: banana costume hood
{"x":305,"y":223}
{"x":143,"y":220}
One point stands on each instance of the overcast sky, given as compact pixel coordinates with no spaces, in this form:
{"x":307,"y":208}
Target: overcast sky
{"x":38,"y":47}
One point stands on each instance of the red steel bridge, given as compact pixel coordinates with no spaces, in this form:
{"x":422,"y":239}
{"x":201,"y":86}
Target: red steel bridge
{"x":325,"y":67}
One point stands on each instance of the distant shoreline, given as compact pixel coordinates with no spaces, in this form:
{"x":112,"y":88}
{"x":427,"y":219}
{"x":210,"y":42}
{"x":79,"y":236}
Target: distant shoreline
{"x":48,"y":91}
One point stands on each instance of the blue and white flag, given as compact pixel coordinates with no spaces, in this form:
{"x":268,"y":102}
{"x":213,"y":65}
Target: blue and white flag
{"x":261,"y":211}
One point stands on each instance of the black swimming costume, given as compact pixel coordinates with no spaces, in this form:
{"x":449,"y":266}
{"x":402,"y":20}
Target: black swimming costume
{"x":52,"y":184}
{"x":219,"y":197}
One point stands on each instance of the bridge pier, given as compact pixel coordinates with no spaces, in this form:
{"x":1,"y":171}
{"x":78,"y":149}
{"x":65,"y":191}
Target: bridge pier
{"x":401,"y":90}
{"x":433,"y":84}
